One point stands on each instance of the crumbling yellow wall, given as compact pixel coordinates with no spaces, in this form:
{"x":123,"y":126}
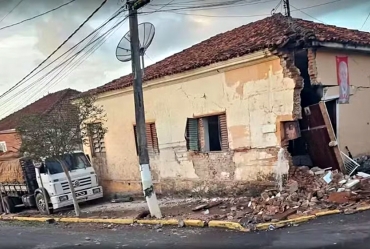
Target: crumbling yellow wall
{"x":353,"y":118}
{"x":254,"y":95}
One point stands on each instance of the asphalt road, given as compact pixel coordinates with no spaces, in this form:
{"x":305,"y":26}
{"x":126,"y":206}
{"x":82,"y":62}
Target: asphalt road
{"x":339,"y":231}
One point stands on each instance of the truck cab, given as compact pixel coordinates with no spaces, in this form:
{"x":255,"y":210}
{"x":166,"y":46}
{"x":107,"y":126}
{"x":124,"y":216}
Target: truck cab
{"x":49,"y":174}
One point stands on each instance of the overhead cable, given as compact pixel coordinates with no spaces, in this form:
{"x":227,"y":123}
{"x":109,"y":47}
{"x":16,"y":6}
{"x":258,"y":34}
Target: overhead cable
{"x":57,"y":49}
{"x":34,"y":17}
{"x":7,"y":14}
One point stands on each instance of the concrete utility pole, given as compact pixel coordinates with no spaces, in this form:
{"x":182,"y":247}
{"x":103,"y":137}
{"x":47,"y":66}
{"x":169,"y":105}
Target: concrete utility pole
{"x":287,"y":7}
{"x":146,"y":177}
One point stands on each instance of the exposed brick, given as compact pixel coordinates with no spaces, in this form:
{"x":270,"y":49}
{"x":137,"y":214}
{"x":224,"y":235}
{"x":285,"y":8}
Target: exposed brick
{"x":312,"y":69}
{"x":11,"y":140}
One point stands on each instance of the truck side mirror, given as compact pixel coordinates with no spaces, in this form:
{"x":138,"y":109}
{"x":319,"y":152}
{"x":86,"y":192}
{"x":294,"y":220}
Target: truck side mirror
{"x":88,"y":157}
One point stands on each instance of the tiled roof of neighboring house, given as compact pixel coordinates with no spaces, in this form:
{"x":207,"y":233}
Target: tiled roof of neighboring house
{"x":41,"y":106}
{"x":271,"y":32}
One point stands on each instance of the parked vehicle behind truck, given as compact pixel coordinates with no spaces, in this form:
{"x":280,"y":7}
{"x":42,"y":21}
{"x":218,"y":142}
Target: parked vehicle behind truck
{"x":20,"y":183}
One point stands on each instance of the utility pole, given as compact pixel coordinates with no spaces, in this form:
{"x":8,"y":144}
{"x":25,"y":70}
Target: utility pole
{"x":287,"y":7}
{"x":146,"y":177}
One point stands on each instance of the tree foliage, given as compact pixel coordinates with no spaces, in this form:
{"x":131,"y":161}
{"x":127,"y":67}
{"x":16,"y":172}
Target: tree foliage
{"x":61,"y":130}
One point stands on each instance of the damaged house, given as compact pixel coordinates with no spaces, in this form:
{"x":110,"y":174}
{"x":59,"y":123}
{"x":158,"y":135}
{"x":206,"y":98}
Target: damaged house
{"x":219,"y":112}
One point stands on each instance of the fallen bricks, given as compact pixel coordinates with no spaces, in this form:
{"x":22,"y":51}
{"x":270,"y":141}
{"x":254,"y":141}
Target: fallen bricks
{"x":308,"y":192}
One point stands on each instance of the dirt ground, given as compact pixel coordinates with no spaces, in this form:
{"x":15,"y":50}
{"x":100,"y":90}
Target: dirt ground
{"x":171,"y":208}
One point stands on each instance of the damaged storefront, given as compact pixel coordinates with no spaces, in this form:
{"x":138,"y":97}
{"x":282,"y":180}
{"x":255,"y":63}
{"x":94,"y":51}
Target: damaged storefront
{"x":312,"y":140}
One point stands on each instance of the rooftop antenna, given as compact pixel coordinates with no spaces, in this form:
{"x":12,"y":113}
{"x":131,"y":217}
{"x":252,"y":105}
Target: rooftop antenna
{"x":146,"y":34}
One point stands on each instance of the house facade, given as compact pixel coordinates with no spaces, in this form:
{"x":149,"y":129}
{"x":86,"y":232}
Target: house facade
{"x":218,"y":113}
{"x":9,"y":139}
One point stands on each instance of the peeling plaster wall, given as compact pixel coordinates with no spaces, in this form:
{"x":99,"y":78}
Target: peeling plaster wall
{"x":353,"y":118}
{"x":254,"y":97}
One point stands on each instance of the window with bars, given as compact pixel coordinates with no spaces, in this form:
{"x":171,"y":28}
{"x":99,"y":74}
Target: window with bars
{"x":3,"y":146}
{"x":151,"y":137}
{"x":97,"y":144}
{"x":207,"y":133}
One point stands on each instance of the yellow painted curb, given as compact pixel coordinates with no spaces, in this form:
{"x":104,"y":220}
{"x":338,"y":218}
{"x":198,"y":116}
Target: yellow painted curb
{"x":228,"y":225}
{"x":363,"y":208}
{"x":194,"y":223}
{"x":40,"y":219}
{"x":327,"y":213}
{"x":265,"y":226}
{"x":87,"y":220}
{"x":155,"y":222}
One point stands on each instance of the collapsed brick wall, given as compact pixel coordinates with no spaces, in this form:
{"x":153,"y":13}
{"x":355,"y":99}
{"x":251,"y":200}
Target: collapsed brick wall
{"x":291,"y":71}
{"x":312,"y":68}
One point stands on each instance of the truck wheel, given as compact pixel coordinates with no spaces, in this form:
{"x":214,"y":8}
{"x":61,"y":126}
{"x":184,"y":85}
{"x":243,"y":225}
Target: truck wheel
{"x":41,"y":205}
{"x":9,"y":205}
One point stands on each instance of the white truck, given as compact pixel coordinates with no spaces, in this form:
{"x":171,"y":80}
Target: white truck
{"x":20,"y":183}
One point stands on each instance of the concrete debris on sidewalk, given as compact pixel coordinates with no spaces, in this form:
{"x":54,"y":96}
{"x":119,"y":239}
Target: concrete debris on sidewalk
{"x":308,"y":191}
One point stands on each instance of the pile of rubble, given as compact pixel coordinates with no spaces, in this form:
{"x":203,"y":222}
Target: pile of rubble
{"x":307,"y":192}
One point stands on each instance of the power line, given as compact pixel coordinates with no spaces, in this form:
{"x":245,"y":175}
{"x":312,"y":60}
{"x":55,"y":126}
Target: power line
{"x":300,"y":10}
{"x":176,"y":11}
{"x":363,"y":25}
{"x":70,"y":59}
{"x":64,"y":42}
{"x":219,"y":5}
{"x":273,"y":11}
{"x":2,"y":19}
{"x":79,"y":61}
{"x":34,"y":17}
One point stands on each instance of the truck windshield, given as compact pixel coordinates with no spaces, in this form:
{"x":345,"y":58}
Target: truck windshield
{"x":72,"y":161}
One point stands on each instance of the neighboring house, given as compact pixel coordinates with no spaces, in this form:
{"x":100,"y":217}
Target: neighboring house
{"x":9,"y":140}
{"x":218,"y":112}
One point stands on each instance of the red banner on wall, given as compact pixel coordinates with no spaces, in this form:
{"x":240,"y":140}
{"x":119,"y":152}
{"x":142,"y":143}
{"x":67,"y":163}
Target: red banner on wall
{"x":343,"y":79}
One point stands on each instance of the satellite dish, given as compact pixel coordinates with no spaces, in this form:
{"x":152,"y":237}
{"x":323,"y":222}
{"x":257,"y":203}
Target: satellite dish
{"x":146,"y":32}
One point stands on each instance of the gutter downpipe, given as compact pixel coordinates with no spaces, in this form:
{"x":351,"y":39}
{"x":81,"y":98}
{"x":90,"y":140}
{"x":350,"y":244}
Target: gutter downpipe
{"x":336,"y":45}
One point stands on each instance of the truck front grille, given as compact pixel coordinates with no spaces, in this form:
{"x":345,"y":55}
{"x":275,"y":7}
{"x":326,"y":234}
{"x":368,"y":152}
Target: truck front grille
{"x":78,"y":183}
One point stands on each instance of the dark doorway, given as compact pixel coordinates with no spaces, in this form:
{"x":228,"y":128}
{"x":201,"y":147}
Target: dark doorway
{"x":331,"y":106}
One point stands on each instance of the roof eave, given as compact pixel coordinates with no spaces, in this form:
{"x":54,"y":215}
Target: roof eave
{"x":8,"y":131}
{"x":342,"y":46}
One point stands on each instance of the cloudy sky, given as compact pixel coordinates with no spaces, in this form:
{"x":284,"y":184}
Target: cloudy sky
{"x":24,"y":46}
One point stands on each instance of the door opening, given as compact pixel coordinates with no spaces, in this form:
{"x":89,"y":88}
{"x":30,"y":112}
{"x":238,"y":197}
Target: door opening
{"x":331,"y":106}
{"x":318,"y":125}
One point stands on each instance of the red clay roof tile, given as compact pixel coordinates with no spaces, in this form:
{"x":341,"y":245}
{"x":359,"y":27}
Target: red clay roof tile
{"x":269,"y":33}
{"x":41,"y":106}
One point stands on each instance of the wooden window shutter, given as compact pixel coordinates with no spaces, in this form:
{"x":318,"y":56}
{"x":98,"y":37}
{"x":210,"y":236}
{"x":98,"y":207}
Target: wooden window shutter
{"x":192,"y":134}
{"x":153,"y":132}
{"x":223,"y":132}
{"x":149,"y":137}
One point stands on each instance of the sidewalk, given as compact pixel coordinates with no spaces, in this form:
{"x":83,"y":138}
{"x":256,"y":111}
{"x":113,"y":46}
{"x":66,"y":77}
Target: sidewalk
{"x":308,"y":193}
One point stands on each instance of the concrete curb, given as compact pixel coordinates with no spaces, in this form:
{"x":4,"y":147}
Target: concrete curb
{"x":187,"y":223}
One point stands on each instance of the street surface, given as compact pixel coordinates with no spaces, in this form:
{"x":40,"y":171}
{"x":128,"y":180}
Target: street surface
{"x":339,"y":231}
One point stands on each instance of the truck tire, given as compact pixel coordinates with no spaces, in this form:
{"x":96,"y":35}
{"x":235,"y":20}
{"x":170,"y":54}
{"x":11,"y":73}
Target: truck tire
{"x":41,"y":205}
{"x":9,"y":205}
